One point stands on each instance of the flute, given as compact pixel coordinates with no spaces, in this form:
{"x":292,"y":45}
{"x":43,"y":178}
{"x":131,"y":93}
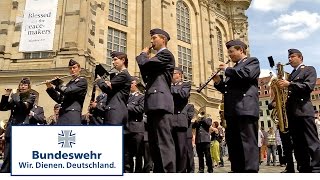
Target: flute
{"x":44,"y":82}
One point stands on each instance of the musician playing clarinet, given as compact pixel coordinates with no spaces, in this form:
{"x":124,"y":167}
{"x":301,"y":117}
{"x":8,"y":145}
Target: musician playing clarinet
{"x":241,"y":107}
{"x":71,"y":96}
{"x":157,"y":73}
{"x":117,"y":90}
{"x":20,"y":105}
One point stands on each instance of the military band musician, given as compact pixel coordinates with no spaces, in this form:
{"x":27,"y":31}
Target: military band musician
{"x":300,"y":113}
{"x":241,"y":107}
{"x":71,"y":96}
{"x":181,"y":92}
{"x":117,"y":90}
{"x":157,"y":74}
{"x":20,"y":105}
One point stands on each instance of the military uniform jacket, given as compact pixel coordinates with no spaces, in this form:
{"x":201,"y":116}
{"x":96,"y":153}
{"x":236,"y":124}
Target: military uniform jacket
{"x":181,"y":93}
{"x":157,"y":74}
{"x":98,"y":113}
{"x":19,"y":110}
{"x":302,"y":83}
{"x":38,"y":117}
{"x":116,"y":105}
{"x":202,"y":129}
{"x":240,"y":89}
{"x":135,"y":110}
{"x":71,"y":96}
{"x":190,"y":113}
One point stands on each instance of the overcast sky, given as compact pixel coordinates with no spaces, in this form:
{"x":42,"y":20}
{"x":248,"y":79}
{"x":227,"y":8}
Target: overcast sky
{"x":278,"y":25}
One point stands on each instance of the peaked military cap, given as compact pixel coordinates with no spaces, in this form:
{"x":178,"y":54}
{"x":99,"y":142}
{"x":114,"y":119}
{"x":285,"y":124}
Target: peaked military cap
{"x":134,"y":78}
{"x":291,"y":51}
{"x":25,"y":80}
{"x":57,"y":106}
{"x":159,"y":31}
{"x":73,"y":62}
{"x":139,"y":83}
{"x":117,"y":54}
{"x":231,"y":43}
{"x":178,"y":69}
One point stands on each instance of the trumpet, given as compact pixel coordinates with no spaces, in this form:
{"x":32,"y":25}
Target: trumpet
{"x":209,"y":79}
{"x":63,"y":77}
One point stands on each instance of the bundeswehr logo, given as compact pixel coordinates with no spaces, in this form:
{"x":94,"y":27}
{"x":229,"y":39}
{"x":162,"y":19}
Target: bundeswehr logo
{"x":66,"y":138}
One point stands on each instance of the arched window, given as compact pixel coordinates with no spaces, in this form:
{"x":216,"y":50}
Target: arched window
{"x":184,"y":62}
{"x":220,"y":45}
{"x":116,"y":41}
{"x":183,"y":22}
{"x":118,"y":11}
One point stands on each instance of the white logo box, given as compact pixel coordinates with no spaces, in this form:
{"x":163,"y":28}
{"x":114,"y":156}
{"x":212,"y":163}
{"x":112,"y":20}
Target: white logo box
{"x":67,"y":150}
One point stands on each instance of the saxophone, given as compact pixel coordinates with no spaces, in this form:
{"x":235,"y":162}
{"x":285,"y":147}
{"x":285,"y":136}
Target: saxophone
{"x":279,"y":114}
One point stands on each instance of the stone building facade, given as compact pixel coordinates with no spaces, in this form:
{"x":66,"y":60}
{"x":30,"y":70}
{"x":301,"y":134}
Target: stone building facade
{"x":88,"y":30}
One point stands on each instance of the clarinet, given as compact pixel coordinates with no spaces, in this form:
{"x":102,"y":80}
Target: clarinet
{"x":209,"y":79}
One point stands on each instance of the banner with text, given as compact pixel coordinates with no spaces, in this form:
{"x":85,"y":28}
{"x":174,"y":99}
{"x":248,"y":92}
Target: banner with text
{"x":67,"y":150}
{"x":38,"y":25}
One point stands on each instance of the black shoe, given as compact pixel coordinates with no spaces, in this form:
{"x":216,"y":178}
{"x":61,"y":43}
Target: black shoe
{"x":288,"y":171}
{"x":200,"y":171}
{"x":210,"y":171}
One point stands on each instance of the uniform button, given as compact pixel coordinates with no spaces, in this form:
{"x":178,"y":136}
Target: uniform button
{"x":225,"y":92}
{"x":244,"y":94}
{"x":155,"y":90}
{"x":289,"y":91}
{"x":301,"y":99}
{"x":179,"y":112}
{"x":288,"y":96}
{"x":225,"y":85}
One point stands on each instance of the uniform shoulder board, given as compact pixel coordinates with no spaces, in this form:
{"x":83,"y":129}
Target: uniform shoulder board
{"x":302,"y":66}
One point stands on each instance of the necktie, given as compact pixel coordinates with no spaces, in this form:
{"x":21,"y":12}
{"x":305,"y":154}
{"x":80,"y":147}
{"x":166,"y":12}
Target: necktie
{"x":293,"y":71}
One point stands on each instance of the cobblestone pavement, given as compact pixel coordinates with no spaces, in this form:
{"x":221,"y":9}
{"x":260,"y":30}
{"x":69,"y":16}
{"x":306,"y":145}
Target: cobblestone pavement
{"x":263,"y":167}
